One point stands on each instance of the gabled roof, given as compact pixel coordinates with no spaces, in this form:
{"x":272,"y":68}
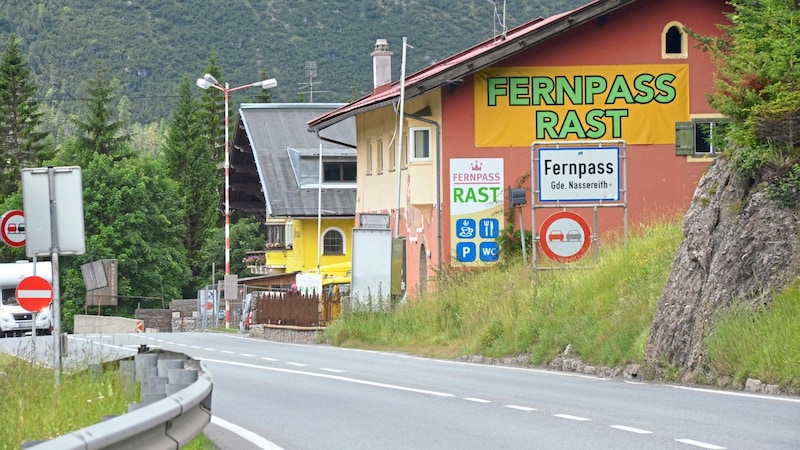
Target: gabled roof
{"x":487,"y":53}
{"x":276,"y":161}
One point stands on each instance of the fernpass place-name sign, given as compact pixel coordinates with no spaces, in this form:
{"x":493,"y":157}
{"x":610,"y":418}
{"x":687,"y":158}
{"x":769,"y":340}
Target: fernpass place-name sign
{"x":578,"y":174}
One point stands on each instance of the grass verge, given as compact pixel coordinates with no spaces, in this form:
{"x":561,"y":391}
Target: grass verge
{"x":603,"y":313}
{"x":34,"y":409}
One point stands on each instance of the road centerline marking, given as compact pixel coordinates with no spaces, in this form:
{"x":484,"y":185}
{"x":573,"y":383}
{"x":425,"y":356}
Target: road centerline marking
{"x":571,"y":417}
{"x":700,"y":444}
{"x":631,"y":429}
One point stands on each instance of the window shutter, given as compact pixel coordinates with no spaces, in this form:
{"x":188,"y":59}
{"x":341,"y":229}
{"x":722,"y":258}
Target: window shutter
{"x":684,"y":138}
{"x":289,"y":234}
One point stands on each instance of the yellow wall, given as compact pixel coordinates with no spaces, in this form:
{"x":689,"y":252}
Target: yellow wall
{"x":377,"y":190}
{"x":304,"y":254}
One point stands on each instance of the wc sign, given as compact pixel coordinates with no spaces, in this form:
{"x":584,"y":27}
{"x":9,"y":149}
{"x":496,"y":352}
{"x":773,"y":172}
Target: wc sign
{"x":476,"y":210}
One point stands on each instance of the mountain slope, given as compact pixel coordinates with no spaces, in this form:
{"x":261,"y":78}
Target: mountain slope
{"x":151,"y":45}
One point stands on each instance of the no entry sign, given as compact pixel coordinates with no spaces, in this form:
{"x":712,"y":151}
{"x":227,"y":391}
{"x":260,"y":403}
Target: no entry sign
{"x":34,"y":293}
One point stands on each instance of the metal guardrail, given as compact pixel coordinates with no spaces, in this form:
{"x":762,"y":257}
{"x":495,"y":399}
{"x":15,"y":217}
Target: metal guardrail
{"x":169,"y":423}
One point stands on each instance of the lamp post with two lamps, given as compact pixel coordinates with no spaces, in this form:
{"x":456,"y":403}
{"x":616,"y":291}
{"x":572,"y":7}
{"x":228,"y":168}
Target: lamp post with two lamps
{"x":208,"y":81}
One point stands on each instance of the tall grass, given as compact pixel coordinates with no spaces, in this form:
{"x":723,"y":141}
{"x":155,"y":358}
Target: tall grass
{"x":603,"y":313}
{"x":34,"y":409}
{"x":764,"y":344}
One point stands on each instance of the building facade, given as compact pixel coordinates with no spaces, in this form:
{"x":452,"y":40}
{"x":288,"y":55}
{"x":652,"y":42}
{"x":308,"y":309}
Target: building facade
{"x":623,"y":72}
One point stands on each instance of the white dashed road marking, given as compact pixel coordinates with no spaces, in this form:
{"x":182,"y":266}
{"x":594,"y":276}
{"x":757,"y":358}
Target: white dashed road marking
{"x":578,"y":418}
{"x":700,"y":444}
{"x":520,"y":408}
{"x":631,"y":429}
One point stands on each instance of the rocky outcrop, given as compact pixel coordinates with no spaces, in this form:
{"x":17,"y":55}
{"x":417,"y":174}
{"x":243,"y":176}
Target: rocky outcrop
{"x":739,"y":249}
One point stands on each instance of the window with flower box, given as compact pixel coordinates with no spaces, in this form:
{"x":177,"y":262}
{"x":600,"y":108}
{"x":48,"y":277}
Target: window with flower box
{"x":279,"y":236}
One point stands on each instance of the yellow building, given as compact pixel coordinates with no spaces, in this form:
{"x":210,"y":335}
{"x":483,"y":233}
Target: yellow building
{"x":301,"y":184}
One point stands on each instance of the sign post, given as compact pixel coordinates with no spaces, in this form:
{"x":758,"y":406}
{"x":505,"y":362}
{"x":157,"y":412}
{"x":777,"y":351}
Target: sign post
{"x":576,"y":174}
{"x":54,"y":227}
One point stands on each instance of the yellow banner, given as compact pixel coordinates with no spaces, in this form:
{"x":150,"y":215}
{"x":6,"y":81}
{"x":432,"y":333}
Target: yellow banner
{"x":516,"y":106}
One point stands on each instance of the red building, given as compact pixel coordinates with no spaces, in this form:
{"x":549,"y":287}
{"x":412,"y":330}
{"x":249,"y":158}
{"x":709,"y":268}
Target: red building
{"x":611,"y":71}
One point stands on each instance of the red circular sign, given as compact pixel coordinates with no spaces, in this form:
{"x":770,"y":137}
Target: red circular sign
{"x":565,"y":237}
{"x":12,"y":228}
{"x":34,"y":293}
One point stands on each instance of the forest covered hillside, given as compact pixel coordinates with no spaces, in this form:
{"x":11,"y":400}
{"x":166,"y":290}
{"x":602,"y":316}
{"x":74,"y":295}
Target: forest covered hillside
{"x":150,"y":46}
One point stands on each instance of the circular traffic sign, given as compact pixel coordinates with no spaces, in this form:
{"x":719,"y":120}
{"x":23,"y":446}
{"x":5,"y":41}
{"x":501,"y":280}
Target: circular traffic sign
{"x":565,"y":236}
{"x":12,"y":228}
{"x":34,"y":293}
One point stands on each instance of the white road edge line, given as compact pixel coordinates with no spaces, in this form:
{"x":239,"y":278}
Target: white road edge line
{"x":333,"y":377}
{"x":570,"y":417}
{"x":700,"y":444}
{"x":245,"y":434}
{"x":631,"y":429}
{"x":735,"y":394}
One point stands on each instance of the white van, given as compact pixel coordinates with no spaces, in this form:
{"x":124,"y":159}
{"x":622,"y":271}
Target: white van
{"x":14,"y":319}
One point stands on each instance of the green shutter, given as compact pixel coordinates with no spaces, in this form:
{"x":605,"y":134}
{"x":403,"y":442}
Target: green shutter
{"x":684,"y":138}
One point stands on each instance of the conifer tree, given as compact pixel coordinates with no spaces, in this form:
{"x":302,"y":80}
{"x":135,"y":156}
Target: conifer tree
{"x":23,"y":143}
{"x":189,"y":160}
{"x":213,"y":111}
{"x":100,"y":132}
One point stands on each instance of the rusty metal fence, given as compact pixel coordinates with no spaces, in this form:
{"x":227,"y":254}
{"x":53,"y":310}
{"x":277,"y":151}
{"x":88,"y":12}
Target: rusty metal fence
{"x":294,"y":308}
{"x":275,"y":307}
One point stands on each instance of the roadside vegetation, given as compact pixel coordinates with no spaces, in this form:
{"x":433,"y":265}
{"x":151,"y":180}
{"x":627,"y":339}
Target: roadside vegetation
{"x":34,"y":410}
{"x":602,"y":314}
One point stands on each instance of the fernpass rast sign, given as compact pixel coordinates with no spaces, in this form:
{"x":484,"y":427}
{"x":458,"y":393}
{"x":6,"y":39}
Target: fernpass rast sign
{"x":515,"y":106}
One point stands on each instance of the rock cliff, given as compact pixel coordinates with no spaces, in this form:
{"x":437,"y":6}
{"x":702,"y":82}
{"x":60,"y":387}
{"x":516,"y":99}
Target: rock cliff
{"x":739,"y":248}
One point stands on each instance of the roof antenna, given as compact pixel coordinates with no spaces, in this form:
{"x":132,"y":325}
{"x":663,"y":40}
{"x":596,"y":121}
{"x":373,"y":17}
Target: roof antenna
{"x":497,"y":18}
{"x":311,"y":71}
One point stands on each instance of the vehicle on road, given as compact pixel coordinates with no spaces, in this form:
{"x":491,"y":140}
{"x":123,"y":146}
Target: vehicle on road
{"x":14,"y":319}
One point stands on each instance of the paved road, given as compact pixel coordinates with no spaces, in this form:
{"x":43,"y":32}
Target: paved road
{"x":315,"y":396}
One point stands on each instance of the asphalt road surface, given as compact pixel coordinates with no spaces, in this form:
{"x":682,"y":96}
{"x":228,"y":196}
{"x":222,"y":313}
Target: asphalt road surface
{"x":279,"y":395}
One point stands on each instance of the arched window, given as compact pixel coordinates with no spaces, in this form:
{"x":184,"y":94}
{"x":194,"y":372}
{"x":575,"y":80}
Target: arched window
{"x":333,"y":243}
{"x":674,"y":41}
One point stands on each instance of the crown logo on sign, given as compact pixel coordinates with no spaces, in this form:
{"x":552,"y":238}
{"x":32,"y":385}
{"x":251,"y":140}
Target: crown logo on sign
{"x":477,"y":166}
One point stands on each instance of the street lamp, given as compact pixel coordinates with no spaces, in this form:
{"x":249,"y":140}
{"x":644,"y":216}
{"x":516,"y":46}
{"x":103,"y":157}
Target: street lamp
{"x":206,"y":82}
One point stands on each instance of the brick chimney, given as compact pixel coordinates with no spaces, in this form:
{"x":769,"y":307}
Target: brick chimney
{"x":381,"y":64}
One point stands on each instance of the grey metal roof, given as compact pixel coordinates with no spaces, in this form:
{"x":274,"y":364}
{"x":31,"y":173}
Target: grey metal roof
{"x":275,"y":161}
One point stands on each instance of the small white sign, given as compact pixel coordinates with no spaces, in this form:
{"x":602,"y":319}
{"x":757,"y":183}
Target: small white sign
{"x":579,"y":174}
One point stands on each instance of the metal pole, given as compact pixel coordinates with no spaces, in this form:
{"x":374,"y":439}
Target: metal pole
{"x":399,"y":141}
{"x":227,"y":192}
{"x":522,"y":236}
{"x":319,"y":213}
{"x":51,"y":174}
